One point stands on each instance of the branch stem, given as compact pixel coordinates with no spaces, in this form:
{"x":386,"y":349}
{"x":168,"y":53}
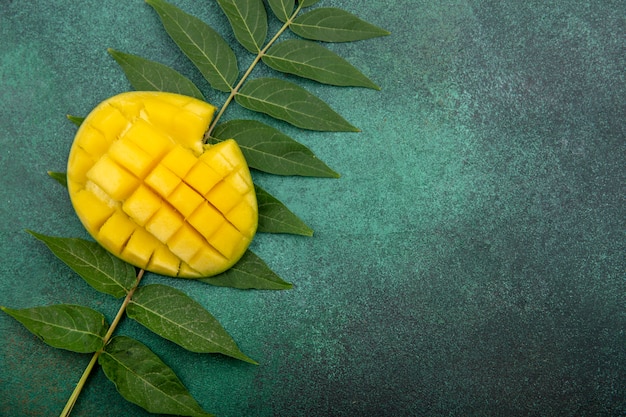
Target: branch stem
{"x":94,"y":359}
{"x":256,"y":60}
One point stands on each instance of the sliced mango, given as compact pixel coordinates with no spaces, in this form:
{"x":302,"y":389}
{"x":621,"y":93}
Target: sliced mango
{"x":148,"y":190}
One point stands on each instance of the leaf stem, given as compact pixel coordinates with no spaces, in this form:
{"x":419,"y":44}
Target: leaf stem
{"x":94,"y":359}
{"x":256,"y":60}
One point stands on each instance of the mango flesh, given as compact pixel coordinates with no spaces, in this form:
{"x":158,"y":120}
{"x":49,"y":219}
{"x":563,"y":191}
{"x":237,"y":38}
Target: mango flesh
{"x":149,"y":191}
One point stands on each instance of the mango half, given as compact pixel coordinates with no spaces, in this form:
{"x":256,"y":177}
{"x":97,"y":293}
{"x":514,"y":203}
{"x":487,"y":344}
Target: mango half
{"x":149,"y":191}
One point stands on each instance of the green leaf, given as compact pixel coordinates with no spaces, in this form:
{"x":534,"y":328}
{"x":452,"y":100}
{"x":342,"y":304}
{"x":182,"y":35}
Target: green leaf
{"x":60,"y":177}
{"x":249,"y":273}
{"x":330,"y":24}
{"x":146,"y":75}
{"x":75,"y":119}
{"x":203,"y":46}
{"x":175,"y":316}
{"x":248,"y":20}
{"x":307,"y":3}
{"x":275,"y":217}
{"x":282,"y":8}
{"x":143,"y":379}
{"x":287,"y":101}
{"x":267,"y":149}
{"x":93,"y":263}
{"x":311,"y":60}
{"x":71,"y":327}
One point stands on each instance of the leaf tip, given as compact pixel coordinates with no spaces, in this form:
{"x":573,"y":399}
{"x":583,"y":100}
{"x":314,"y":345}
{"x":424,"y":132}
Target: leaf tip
{"x":36,"y":235}
{"x":242,"y":357}
{"x":351,"y":128}
{"x":151,"y":3}
{"x":252,"y":361}
{"x":75,"y":119}
{"x":116,"y":55}
{"x":60,"y":177}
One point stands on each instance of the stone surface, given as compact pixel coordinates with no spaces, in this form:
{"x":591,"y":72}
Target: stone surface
{"x":469,"y":261}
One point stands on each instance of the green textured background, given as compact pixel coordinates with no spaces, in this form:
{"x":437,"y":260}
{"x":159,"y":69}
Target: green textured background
{"x":469,"y":261}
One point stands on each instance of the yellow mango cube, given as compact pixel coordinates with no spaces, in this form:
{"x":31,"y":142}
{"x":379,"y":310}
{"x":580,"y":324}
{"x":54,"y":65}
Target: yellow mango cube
{"x":82,"y":162}
{"x":206,"y":220}
{"x":162,"y":180}
{"x":229,"y":152}
{"x":185,"y":243}
{"x":224,"y":197}
{"x":161,"y":114}
{"x":92,"y":211}
{"x":242,"y":216}
{"x":202,"y":178}
{"x":185,"y":199}
{"x":140,"y":248}
{"x":186,"y":125}
{"x":112,"y":178}
{"x":142,"y":205}
{"x":208,"y":260}
{"x":213,"y":158}
{"x":179,"y":160}
{"x":164,"y":223}
{"x":108,"y":120}
{"x":149,"y":138}
{"x":239,"y":182}
{"x":116,"y":231}
{"x":226,"y":239}
{"x":131,"y":157}
{"x":197,"y":108}
{"x":93,"y":141}
{"x":188,"y":272}
{"x":164,"y":262}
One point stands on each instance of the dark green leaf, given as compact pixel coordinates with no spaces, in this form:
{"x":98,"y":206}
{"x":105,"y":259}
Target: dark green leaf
{"x":175,"y":316}
{"x":282,"y":8}
{"x":60,"y":177}
{"x":146,"y":75}
{"x":249,"y":273}
{"x":287,"y":101}
{"x":143,"y":379}
{"x":330,"y":24}
{"x":267,"y":149}
{"x":311,"y":60}
{"x":93,"y":263}
{"x":248,"y":20}
{"x":307,"y":3}
{"x":76,"y":328}
{"x":275,"y":217}
{"x":202,"y":45}
{"x":75,"y":119}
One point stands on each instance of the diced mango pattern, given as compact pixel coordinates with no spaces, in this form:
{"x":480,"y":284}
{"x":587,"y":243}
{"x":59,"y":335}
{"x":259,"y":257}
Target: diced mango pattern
{"x":148,"y":190}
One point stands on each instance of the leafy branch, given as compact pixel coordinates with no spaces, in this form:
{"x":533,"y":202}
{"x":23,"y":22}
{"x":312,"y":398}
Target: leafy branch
{"x":105,"y":340}
{"x":242,"y":37}
{"x":139,"y":375}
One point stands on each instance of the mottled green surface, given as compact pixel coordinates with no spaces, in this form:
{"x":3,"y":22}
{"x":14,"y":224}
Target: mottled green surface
{"x":469,"y":261}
